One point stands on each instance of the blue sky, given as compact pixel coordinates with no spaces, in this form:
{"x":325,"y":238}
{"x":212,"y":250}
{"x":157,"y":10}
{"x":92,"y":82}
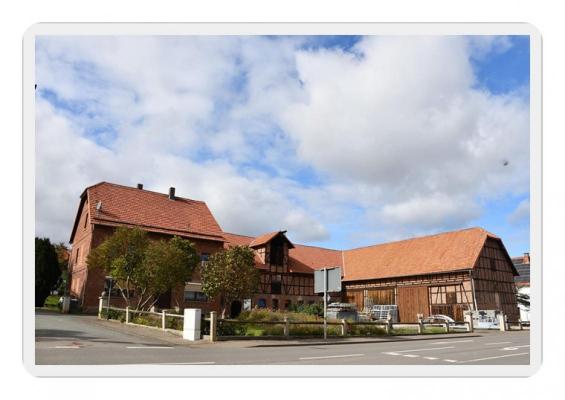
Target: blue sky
{"x":344,"y":141}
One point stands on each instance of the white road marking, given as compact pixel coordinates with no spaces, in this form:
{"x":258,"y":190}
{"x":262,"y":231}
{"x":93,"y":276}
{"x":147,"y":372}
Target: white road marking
{"x":514,"y":347}
{"x":65,"y":347}
{"x":149,"y":347}
{"x":431,"y":358}
{"x":490,"y":344}
{"x":410,"y":355}
{"x":338,"y":356}
{"x":392,"y":353}
{"x":491,"y":358}
{"x":190,"y":363}
{"x":457,"y":341}
{"x":429,"y":349}
{"x":451,"y":361}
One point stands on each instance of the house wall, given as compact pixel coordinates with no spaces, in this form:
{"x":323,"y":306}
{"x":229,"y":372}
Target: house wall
{"x":93,"y":280}
{"x":79,"y":251}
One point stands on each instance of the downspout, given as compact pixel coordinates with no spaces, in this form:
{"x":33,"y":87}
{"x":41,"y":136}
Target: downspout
{"x":473,"y":289}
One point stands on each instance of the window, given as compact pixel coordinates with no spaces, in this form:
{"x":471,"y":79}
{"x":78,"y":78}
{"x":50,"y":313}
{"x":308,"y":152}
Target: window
{"x":204,"y":257}
{"x":76,"y":255}
{"x":276,"y":288}
{"x":287,"y":304}
{"x":85,"y":220}
{"x":261,"y":303}
{"x":275,"y":304}
{"x":190,"y":295}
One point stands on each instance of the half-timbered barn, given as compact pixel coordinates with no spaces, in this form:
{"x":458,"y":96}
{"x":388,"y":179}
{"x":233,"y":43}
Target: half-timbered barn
{"x":446,"y":273}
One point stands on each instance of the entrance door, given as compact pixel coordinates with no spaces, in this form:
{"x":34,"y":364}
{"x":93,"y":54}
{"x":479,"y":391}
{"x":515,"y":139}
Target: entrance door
{"x":412,"y":300}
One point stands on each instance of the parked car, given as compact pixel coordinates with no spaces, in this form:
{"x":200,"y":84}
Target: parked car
{"x":438,"y":319}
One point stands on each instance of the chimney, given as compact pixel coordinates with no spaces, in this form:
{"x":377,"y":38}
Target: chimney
{"x":171,"y":193}
{"x":526,"y":258}
{"x":140,"y":186}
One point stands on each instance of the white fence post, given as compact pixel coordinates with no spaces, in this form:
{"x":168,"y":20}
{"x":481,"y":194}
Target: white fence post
{"x":501,"y":322}
{"x":388,"y":323}
{"x":213,"y":326}
{"x":127,"y":315}
{"x":163,"y":320}
{"x":286,"y":327}
{"x":344,"y":327}
{"x":100,"y":306}
{"x":420,"y":324}
{"x":469,"y":319}
{"x":191,"y":328}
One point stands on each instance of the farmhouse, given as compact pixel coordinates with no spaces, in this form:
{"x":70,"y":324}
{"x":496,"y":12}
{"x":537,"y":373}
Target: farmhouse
{"x":445,"y":273}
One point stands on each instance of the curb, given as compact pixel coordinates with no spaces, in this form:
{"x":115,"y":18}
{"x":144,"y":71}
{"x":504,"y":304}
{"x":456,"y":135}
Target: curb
{"x":326,"y":343}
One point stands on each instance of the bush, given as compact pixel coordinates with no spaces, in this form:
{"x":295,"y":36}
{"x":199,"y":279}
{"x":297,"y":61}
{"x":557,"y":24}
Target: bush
{"x":314,"y":330}
{"x":113,"y":314}
{"x":174,"y":323}
{"x":366,"y":330}
{"x":275,"y":316}
{"x":310,"y":309}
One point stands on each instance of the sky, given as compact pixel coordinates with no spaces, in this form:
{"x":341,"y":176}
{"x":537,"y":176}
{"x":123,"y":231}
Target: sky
{"x":343,"y":141}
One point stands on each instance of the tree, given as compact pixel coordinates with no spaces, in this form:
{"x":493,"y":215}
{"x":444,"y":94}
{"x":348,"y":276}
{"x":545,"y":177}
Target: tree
{"x":143,"y":267}
{"x":63,"y":255}
{"x":231,"y":274}
{"x":47,"y":270}
{"x":167,"y":264}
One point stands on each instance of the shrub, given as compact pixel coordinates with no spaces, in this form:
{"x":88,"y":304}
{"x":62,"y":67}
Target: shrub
{"x":113,"y":314}
{"x":366,"y":330}
{"x":310,"y":309}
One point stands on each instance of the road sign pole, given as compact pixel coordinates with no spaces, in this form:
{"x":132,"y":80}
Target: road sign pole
{"x":325,"y":303}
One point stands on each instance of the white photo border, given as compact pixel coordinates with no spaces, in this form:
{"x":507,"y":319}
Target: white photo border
{"x":28,"y":256}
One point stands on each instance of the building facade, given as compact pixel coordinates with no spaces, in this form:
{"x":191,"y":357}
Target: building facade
{"x":439,"y":274}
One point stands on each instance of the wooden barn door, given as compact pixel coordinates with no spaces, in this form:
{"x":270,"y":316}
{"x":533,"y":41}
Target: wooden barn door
{"x":412,"y":300}
{"x":355,"y":297}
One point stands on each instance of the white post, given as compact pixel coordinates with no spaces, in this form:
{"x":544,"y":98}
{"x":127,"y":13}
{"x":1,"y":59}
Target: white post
{"x":501,"y":322}
{"x":420,"y":324}
{"x":100,"y":306}
{"x":213,"y":325}
{"x":66,"y":304}
{"x":127,"y":315}
{"x":286,"y":327}
{"x":343,"y":327}
{"x":163,"y":325}
{"x":469,"y":319}
{"x":191,"y":328}
{"x":325,"y":303}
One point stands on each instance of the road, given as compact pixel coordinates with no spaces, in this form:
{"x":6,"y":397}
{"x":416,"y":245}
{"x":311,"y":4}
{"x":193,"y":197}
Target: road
{"x":78,"y":339}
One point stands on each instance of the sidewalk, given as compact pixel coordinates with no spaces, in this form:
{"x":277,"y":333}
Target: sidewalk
{"x":176,"y":339}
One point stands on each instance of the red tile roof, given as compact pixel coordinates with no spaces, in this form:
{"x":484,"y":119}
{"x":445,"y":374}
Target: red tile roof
{"x":302,"y":258}
{"x":267,"y":237}
{"x":444,"y":252}
{"x":152,"y":211}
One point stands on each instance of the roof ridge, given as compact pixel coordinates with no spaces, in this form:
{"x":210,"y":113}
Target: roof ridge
{"x":424,"y":237}
{"x":143,"y":190}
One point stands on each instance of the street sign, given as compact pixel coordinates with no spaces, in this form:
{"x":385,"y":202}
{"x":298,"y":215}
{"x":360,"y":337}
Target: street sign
{"x":327,"y":280}
{"x":333,"y":277}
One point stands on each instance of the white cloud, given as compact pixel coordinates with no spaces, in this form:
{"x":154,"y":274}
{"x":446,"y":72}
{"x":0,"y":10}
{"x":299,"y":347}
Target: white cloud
{"x":396,"y":131}
{"x":521,"y":214}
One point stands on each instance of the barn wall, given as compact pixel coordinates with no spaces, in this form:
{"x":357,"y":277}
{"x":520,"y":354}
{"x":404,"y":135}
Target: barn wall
{"x":494,"y":281}
{"x":449,"y":294}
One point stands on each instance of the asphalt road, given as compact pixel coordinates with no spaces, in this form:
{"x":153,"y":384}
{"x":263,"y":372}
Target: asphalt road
{"x":78,"y":339}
